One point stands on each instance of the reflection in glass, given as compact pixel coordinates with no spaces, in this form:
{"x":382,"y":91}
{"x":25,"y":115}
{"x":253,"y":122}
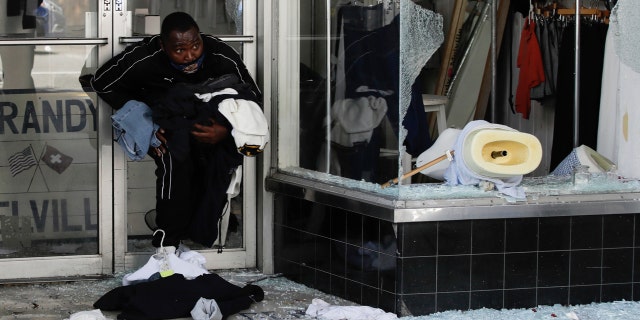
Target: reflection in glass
{"x":46,"y":18}
{"x":353,"y":102}
{"x":48,"y":157}
{"x":216,"y":17}
{"x":359,"y":138}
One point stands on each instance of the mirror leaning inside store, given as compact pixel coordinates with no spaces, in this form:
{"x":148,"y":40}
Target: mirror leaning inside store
{"x":376,"y":82}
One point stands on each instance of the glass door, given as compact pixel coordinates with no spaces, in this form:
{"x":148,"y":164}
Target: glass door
{"x":233,"y":21}
{"x":55,"y":163}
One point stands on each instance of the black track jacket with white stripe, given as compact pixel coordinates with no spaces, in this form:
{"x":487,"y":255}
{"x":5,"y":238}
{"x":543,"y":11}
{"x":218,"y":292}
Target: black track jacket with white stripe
{"x":143,"y":71}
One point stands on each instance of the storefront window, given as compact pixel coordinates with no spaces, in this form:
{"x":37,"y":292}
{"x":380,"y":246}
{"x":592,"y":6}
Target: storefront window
{"x":359,"y":69}
{"x":361,"y":86}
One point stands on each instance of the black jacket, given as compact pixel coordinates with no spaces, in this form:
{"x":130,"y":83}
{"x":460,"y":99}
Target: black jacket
{"x":143,"y":71}
{"x":174,"y":297}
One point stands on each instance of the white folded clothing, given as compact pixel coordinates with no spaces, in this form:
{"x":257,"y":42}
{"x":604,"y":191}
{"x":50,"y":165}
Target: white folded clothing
{"x":323,"y":310}
{"x":206,"y":309}
{"x":87,"y":315}
{"x":169,"y":264}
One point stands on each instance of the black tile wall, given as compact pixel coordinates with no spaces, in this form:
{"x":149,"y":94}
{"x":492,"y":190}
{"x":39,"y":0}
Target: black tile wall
{"x":419,"y":239}
{"x":454,"y":273}
{"x":553,"y":268}
{"x":551,"y":296}
{"x":354,"y":229}
{"x":554,"y":233}
{"x":454,"y":237}
{"x":585,"y":267}
{"x":617,"y":231}
{"x":452,"y":301}
{"x":418,"y":274}
{"x":520,"y":270}
{"x":487,"y":236}
{"x":616,"y":292}
{"x":420,"y":268}
{"x":519,"y":298}
{"x":521,"y":235}
{"x":584,"y":294}
{"x":417,"y":304}
{"x":487,"y":271}
{"x":492,"y":299}
{"x":617,"y":265}
{"x":636,"y":267}
{"x":354,"y":291}
{"x":586,"y":232}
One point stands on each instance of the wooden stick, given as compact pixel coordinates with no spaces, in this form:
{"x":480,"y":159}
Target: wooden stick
{"x":416,"y":170}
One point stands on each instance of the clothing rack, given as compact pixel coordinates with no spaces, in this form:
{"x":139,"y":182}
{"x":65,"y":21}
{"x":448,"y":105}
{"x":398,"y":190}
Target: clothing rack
{"x":578,"y":11}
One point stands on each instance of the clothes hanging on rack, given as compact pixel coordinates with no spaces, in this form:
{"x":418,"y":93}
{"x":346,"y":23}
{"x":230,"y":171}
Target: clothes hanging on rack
{"x":530,"y":65}
{"x":592,"y":40}
{"x":549,"y":32}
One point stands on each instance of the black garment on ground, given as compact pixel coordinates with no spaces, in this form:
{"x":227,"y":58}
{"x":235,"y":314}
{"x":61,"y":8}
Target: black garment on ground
{"x":175,"y":297}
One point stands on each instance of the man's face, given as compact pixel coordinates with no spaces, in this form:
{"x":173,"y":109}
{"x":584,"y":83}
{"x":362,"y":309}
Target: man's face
{"x":184,"y":49}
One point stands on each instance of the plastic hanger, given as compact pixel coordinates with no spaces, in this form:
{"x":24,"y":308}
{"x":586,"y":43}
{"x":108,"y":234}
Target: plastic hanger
{"x":165,"y":268}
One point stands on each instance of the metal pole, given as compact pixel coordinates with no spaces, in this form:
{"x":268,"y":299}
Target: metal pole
{"x":576,"y":92}
{"x":328,"y":86}
{"x":494,"y":8}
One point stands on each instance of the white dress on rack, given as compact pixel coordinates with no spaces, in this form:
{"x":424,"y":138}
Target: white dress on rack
{"x":619,"y":122}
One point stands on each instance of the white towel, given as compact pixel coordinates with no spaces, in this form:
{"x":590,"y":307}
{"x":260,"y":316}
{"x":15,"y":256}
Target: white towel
{"x":88,"y":315}
{"x":250,"y":127}
{"x":322,"y":310}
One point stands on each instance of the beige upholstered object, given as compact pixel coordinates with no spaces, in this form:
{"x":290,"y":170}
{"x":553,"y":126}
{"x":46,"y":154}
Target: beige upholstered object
{"x":501,"y":153}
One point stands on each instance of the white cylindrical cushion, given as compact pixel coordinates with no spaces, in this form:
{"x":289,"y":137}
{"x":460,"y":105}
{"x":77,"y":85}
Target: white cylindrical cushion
{"x":501,"y":153}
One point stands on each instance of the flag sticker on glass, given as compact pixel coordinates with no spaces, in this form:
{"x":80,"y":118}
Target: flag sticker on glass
{"x":56,"y":160}
{"x":22,"y":161}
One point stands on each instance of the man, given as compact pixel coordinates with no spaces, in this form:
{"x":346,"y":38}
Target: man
{"x":191,"y":179}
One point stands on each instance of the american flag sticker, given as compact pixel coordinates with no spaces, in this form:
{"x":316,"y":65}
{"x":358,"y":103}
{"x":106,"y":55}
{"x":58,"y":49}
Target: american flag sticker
{"x":22,"y":161}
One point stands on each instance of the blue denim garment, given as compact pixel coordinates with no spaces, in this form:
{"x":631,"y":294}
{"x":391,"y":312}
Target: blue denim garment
{"x":134,"y":130}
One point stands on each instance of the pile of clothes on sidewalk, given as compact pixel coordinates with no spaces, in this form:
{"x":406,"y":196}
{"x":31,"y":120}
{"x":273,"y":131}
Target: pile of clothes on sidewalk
{"x":174,"y":284}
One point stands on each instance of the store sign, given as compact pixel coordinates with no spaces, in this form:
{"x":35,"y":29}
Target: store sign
{"x":48,"y":165}
{"x":43,"y":113}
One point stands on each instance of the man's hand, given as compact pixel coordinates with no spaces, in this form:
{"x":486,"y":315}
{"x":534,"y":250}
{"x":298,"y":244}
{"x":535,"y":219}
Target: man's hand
{"x":161,"y":149}
{"x":212,"y":134}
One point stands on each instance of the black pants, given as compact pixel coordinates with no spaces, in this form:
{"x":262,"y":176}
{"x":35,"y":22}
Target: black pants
{"x":191,"y":192}
{"x":174,"y":202}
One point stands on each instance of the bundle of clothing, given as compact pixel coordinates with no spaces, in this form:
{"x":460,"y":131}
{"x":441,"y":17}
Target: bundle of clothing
{"x":204,"y":194}
{"x":174,"y":283}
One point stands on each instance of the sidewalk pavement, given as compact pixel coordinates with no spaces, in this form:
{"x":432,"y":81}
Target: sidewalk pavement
{"x":284,"y":299}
